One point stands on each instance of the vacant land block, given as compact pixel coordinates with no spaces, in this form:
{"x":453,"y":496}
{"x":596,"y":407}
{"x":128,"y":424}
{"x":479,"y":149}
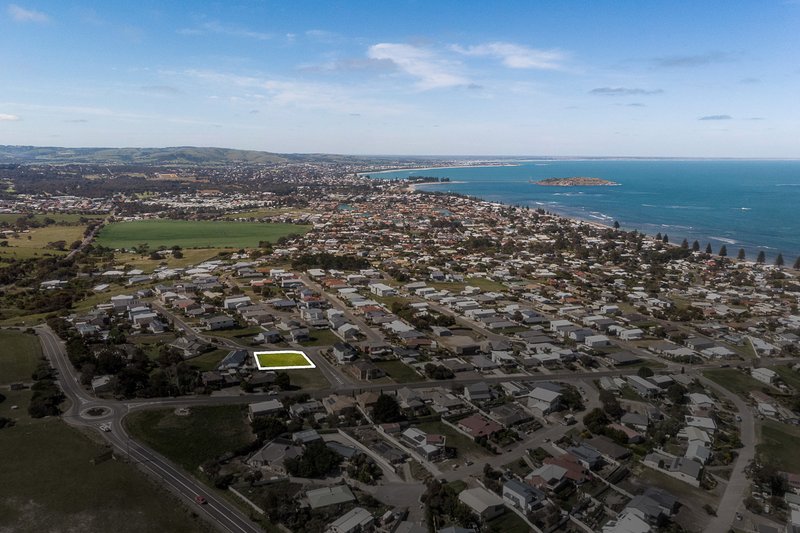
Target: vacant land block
{"x":193,"y":234}
{"x":205,"y":434}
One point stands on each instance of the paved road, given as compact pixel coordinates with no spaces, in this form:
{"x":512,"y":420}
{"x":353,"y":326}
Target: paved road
{"x":737,"y":488}
{"x":217,"y":511}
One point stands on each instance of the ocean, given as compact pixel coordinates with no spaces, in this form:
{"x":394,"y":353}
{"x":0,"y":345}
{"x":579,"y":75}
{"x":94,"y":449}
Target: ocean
{"x":750,"y":204}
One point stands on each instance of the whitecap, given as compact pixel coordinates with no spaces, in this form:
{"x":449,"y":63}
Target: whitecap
{"x":723,"y":239}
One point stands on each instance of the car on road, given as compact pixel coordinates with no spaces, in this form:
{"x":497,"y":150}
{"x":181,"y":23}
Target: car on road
{"x":105,"y":427}
{"x":200,"y":500}
{"x":738,"y":418}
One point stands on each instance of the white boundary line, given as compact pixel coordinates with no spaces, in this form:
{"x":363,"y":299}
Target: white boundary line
{"x":258,"y":362}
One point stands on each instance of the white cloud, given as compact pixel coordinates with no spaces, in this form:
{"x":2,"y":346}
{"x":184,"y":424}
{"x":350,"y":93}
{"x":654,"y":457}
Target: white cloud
{"x":514,"y":55}
{"x":293,"y":93}
{"x":432,"y":72}
{"x":20,"y":14}
{"x":8,"y":118}
{"x":223,"y":29}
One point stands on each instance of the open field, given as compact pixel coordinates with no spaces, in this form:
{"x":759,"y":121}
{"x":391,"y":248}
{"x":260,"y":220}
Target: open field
{"x":206,"y":433}
{"x":19,"y":356}
{"x":190,"y":257}
{"x":275,"y":360}
{"x":777,"y":445}
{"x":33,"y":242}
{"x":193,"y":234}
{"x":47,"y":491}
{"x":399,"y":371}
{"x":734,"y":380}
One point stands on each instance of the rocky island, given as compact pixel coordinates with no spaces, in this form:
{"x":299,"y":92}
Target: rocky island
{"x":575,"y":181}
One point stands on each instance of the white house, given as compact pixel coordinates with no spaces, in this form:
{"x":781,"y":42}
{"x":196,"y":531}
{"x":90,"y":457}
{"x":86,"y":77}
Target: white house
{"x":484,"y":503}
{"x":764,"y":375}
{"x":544,"y":400}
{"x":596,"y":341}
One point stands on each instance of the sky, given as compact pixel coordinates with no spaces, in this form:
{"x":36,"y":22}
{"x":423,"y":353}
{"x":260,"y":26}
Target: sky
{"x":428,"y":77}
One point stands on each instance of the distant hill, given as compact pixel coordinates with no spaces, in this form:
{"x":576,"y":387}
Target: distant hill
{"x":179,"y":155}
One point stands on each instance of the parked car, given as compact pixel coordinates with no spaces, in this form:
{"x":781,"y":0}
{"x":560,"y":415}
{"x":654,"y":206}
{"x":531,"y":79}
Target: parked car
{"x":200,"y":500}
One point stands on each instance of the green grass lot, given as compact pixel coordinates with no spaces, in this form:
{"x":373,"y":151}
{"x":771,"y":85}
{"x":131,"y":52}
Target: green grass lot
{"x":206,"y":433}
{"x":399,"y":371}
{"x":209,"y":360}
{"x":777,"y":445}
{"x":697,"y":496}
{"x":19,"y":356}
{"x":321,"y":337}
{"x":308,"y":378}
{"x":193,"y":234}
{"x":237,"y":333}
{"x":279,"y":359}
{"x":734,"y":380}
{"x":42,"y":490}
{"x":508,"y":522}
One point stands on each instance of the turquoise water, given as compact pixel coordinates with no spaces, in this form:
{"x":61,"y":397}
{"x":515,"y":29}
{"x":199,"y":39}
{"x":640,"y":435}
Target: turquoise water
{"x":742,"y":204}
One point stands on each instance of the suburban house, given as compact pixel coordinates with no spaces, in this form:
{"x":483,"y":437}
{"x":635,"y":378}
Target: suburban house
{"x":522,"y":496}
{"x":482,"y":502}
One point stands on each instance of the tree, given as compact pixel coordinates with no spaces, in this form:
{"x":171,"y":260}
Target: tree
{"x":761,"y":257}
{"x":685,"y":244}
{"x":665,"y":239}
{"x":695,"y":246}
{"x":645,"y":372}
{"x":797,"y":264}
{"x":741,"y":256}
{"x":283,"y":381}
{"x":610,"y":404}
{"x":658,"y":236}
{"x":616,"y":225}
{"x":723,"y":251}
{"x":386,"y":410}
{"x":779,"y":260}
{"x":595,"y":420}
{"x":708,"y":249}
{"x":315,"y":462}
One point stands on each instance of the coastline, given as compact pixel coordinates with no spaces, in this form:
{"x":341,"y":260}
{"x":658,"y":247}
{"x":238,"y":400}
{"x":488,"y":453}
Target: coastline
{"x":414,"y":169}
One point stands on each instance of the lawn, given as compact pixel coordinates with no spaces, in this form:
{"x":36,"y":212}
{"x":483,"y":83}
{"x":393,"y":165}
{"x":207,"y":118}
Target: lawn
{"x":308,"y":379}
{"x":734,"y":380}
{"x":508,"y":522}
{"x":274,"y":360}
{"x":19,"y":357}
{"x":209,"y":360}
{"x":399,"y":371}
{"x":777,"y":445}
{"x":321,"y":337}
{"x":193,"y":234}
{"x":46,"y":491}
{"x":789,"y":376}
{"x":467,"y":448}
{"x":205,"y":434}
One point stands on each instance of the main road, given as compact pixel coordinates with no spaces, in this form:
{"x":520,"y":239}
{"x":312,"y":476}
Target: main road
{"x":224,"y":516}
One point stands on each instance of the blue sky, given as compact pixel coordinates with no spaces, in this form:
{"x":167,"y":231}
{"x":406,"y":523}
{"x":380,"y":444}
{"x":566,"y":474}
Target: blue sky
{"x":621,"y":78}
